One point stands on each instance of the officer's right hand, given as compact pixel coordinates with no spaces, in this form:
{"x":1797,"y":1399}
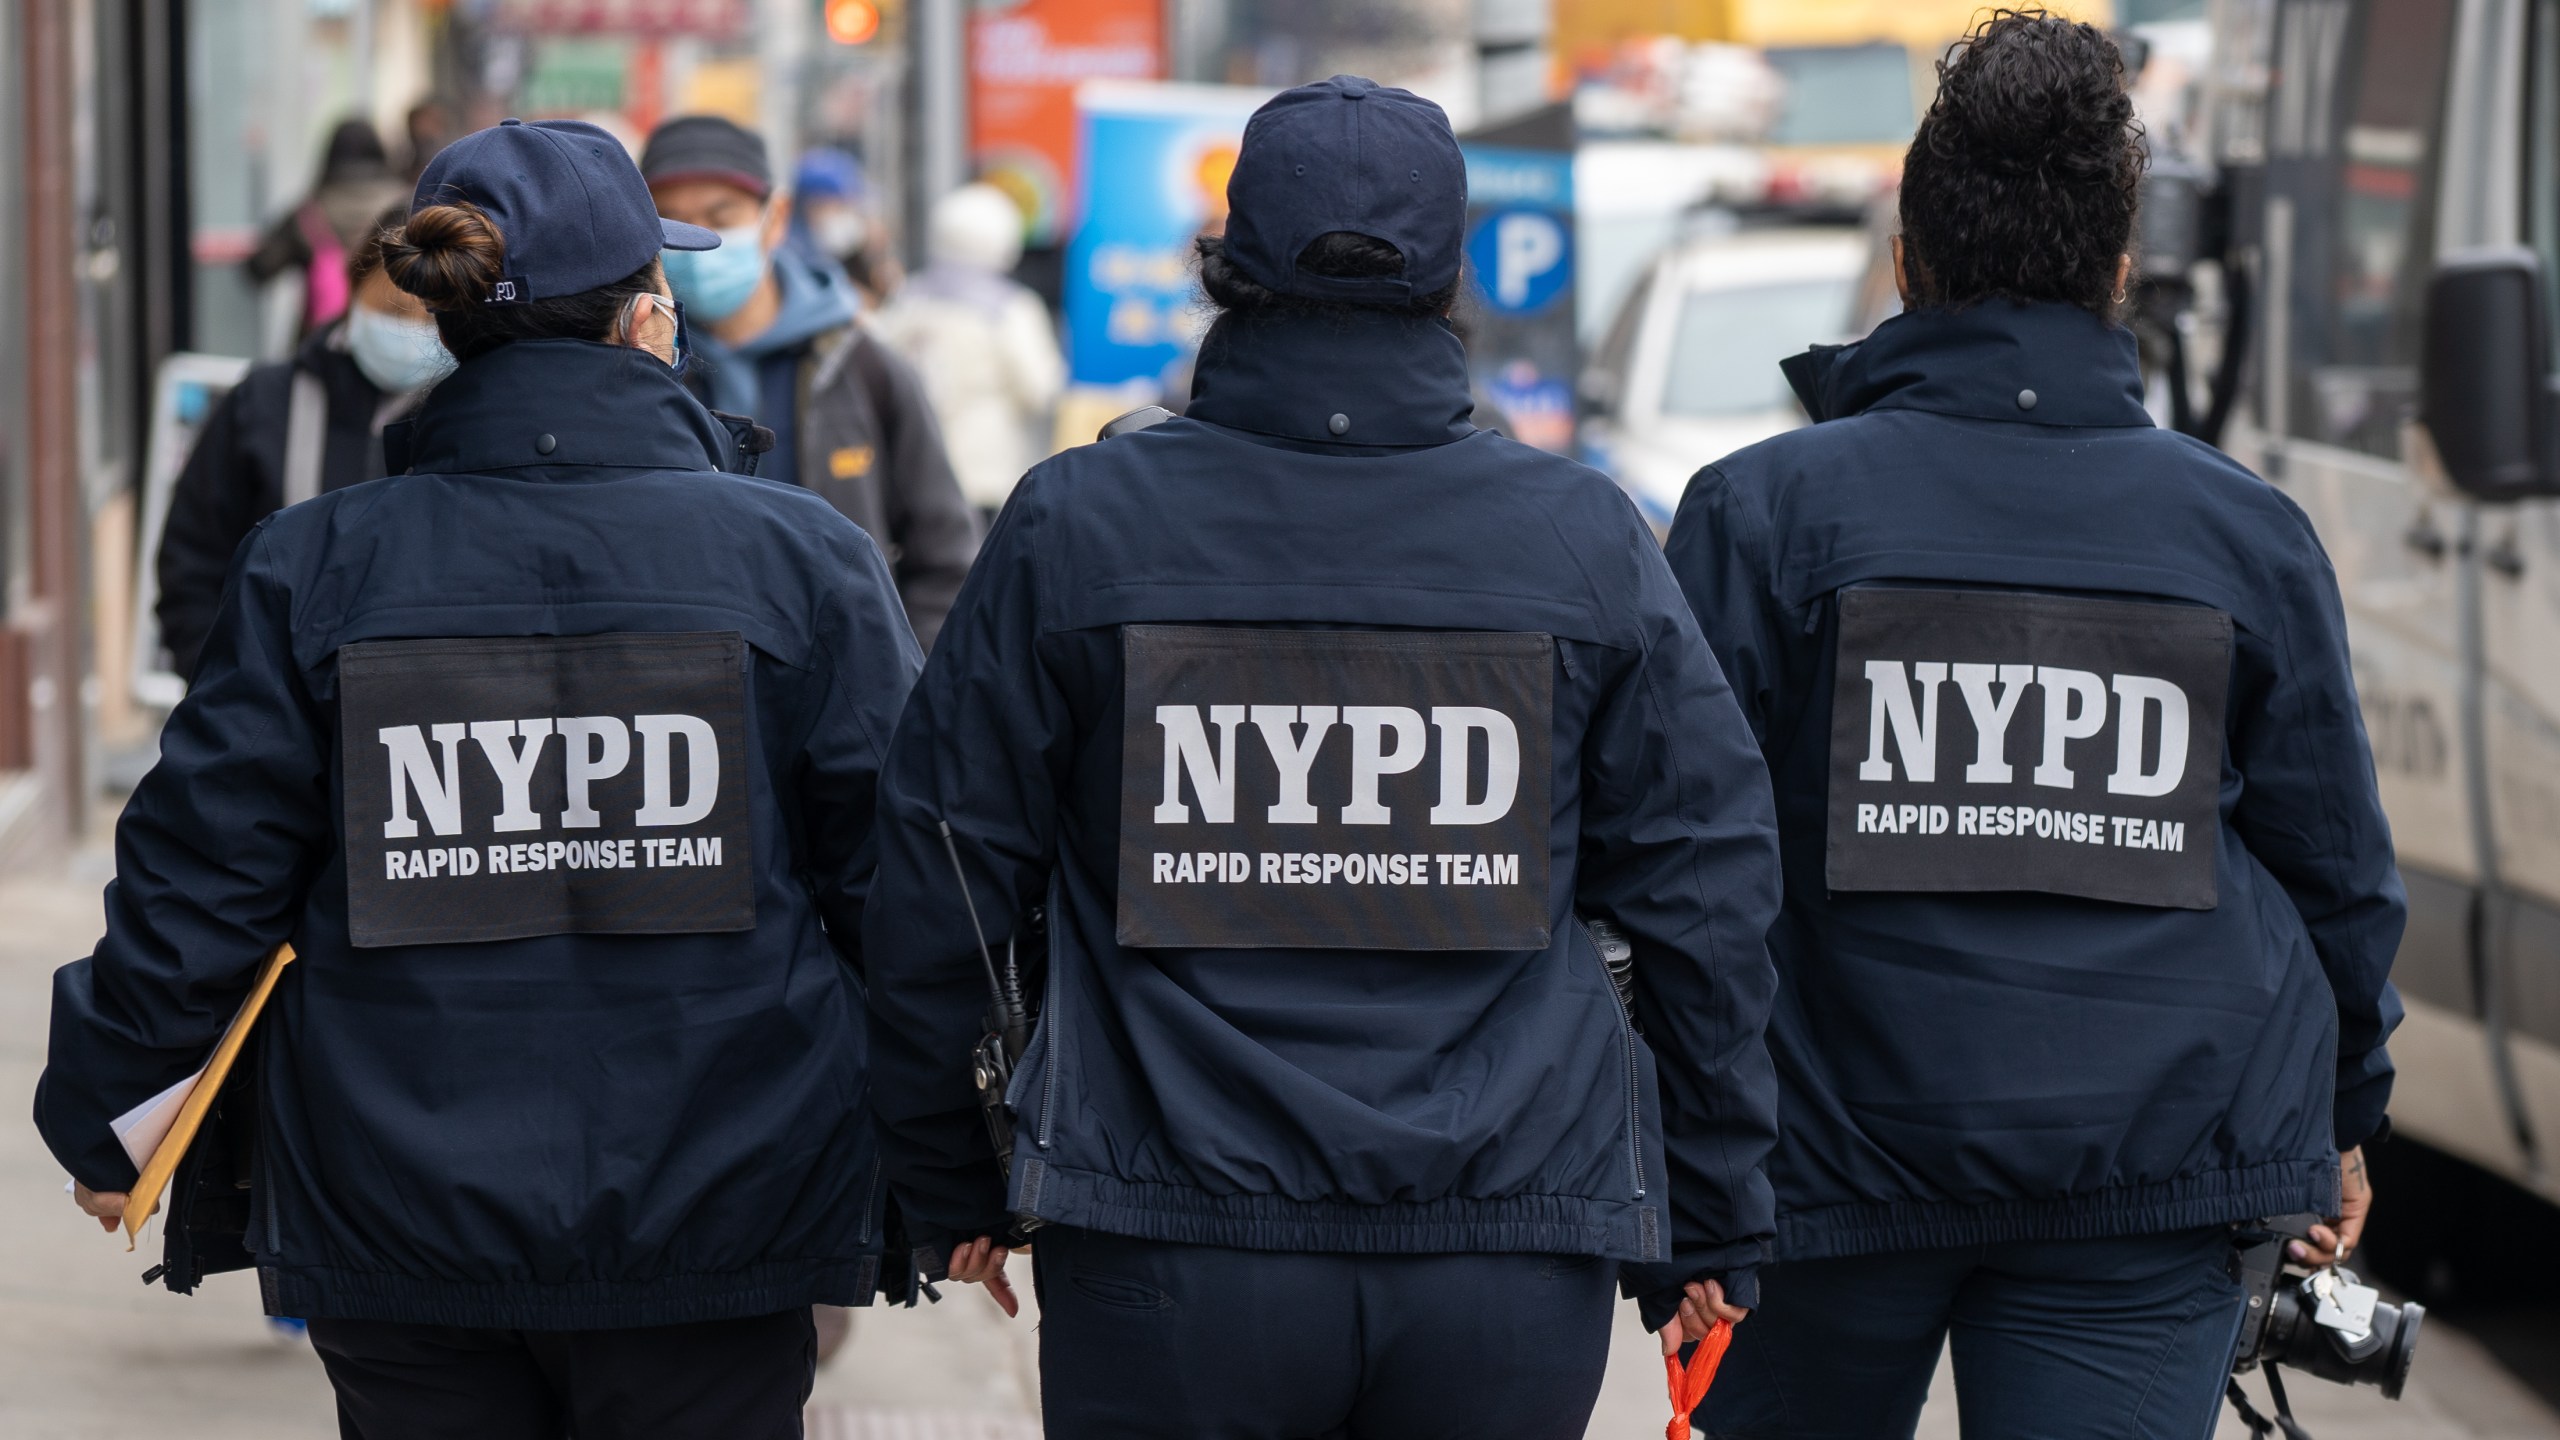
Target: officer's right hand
{"x":1702,"y":1306}
{"x":981,"y":1262}
{"x":2335,"y":1241}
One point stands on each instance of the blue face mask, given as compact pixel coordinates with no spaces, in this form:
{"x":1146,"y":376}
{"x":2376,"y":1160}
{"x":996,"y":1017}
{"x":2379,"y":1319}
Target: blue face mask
{"x":714,"y":283}
{"x":398,"y":355}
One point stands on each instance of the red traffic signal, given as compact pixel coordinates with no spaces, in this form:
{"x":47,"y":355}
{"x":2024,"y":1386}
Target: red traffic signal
{"x":853,"y":22}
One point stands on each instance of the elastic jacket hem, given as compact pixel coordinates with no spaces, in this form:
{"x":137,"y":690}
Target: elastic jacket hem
{"x":1179,"y":1214}
{"x":314,"y":1293}
{"x":2215,"y":1197}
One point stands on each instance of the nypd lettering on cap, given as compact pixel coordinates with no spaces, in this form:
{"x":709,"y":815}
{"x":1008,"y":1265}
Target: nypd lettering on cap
{"x":1998,"y":740}
{"x":1333,"y":789}
{"x":504,"y":788}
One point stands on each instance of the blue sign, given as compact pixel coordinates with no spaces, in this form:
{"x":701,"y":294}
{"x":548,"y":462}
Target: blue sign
{"x":1523,"y":257}
{"x":1510,"y":175}
{"x":1155,"y":161}
{"x":1521,"y":351}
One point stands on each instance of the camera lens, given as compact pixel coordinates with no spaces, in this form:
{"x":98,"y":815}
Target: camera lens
{"x":2379,"y":1357}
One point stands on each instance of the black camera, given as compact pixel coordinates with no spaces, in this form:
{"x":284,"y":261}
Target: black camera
{"x":2324,"y":1322}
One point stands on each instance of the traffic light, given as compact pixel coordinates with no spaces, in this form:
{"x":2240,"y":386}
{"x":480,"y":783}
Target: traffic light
{"x":853,"y":22}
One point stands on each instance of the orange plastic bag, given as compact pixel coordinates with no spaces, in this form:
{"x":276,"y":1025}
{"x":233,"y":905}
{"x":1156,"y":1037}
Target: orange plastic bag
{"x":1689,"y":1384}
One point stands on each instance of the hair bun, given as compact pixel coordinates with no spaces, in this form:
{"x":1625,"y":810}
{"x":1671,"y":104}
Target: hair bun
{"x":446,"y":255}
{"x":2022,"y":181}
{"x":2032,"y":93}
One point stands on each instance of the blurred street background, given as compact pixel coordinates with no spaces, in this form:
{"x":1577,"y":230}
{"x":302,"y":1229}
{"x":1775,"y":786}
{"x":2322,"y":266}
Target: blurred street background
{"x":1666,"y":198}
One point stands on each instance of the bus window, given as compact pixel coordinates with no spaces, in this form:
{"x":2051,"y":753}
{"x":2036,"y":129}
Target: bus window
{"x":2542,"y":152}
{"x":2355,"y":365}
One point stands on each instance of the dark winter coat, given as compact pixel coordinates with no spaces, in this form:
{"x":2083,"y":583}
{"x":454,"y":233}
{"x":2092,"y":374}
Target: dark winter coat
{"x":2072,"y":1046}
{"x":1356,"y":1094}
{"x":234,"y":478}
{"x":653,"y":1116}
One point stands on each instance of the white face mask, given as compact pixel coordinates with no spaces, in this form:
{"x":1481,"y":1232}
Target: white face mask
{"x":838,"y":230}
{"x":398,"y":355}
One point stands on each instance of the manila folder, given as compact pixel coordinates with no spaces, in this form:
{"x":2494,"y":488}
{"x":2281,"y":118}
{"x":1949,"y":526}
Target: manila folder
{"x":194,"y":1097}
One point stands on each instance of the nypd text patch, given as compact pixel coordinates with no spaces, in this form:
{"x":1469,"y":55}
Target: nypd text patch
{"x":501,"y":788}
{"x":1997,"y":740}
{"x":1335,"y":789}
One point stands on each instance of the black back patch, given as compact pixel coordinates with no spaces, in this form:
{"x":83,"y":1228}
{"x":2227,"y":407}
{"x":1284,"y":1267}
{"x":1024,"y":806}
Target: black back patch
{"x":1988,"y":740}
{"x":1333,"y":789}
{"x":502,"y":788}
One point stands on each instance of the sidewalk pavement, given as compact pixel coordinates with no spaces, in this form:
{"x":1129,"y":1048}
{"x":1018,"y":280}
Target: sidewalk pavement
{"x":86,"y":1350}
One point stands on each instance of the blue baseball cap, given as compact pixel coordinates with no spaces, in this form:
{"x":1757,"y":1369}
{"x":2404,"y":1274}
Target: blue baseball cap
{"x":567,"y":200}
{"x":1348,"y":154}
{"x":827,"y":173}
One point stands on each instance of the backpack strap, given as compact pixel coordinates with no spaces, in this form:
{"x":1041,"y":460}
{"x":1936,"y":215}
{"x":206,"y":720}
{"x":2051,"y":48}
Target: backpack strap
{"x":306,"y":436}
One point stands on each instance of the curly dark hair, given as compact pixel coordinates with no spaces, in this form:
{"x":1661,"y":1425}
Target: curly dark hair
{"x":2021,"y":183}
{"x":1344,"y":253}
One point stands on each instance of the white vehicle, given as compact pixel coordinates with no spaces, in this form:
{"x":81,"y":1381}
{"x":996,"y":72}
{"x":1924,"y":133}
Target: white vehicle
{"x":1687,"y":372}
{"x":2396,"y":242}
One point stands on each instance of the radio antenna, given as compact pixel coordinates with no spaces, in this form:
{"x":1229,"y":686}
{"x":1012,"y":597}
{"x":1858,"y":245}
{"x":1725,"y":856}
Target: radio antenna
{"x":987,"y":957}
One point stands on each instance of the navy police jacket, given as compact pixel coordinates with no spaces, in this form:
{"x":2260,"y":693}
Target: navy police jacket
{"x":1314,"y":720}
{"x":555,"y":761}
{"x":2090,"y":902}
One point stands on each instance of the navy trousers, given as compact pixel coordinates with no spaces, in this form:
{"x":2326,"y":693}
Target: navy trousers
{"x":2117,"y":1339}
{"x":1195,"y":1342}
{"x":716,"y":1380}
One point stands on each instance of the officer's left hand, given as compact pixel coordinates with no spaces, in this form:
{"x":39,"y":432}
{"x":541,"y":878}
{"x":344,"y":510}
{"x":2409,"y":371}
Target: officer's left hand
{"x":1703,"y":1306}
{"x":108,"y":1207}
{"x":981,"y":1262}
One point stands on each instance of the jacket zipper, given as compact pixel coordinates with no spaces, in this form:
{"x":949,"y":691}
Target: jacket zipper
{"x":1635,"y":1075}
{"x":267,"y":1198}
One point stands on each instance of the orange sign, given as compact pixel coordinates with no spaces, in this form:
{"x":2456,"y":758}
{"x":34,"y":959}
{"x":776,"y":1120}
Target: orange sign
{"x":1025,"y":61}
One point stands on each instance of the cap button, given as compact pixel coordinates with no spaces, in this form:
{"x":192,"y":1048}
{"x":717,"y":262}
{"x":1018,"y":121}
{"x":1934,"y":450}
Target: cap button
{"x":511,"y":120}
{"x":544,"y":444}
{"x":1339,"y":424}
{"x":2026,"y":399}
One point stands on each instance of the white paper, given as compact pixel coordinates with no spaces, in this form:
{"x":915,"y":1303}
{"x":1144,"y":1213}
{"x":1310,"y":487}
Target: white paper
{"x":143,"y":1127}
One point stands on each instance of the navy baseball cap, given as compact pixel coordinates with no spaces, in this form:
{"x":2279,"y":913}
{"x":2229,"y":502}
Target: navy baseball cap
{"x":1348,"y":154}
{"x":567,"y":200}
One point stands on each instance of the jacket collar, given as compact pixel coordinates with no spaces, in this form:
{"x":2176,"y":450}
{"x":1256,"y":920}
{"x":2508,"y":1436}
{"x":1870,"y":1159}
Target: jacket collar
{"x":599,"y":405}
{"x":1395,"y":381}
{"x":2047,"y":364}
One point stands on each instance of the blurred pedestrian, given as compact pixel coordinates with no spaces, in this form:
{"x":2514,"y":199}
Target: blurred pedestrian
{"x":356,"y":183}
{"x":832,"y":214}
{"x":292,"y":429}
{"x":2090,"y":903}
{"x":554,"y":760}
{"x":432,"y":123}
{"x":775,"y":338}
{"x":983,"y":342}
